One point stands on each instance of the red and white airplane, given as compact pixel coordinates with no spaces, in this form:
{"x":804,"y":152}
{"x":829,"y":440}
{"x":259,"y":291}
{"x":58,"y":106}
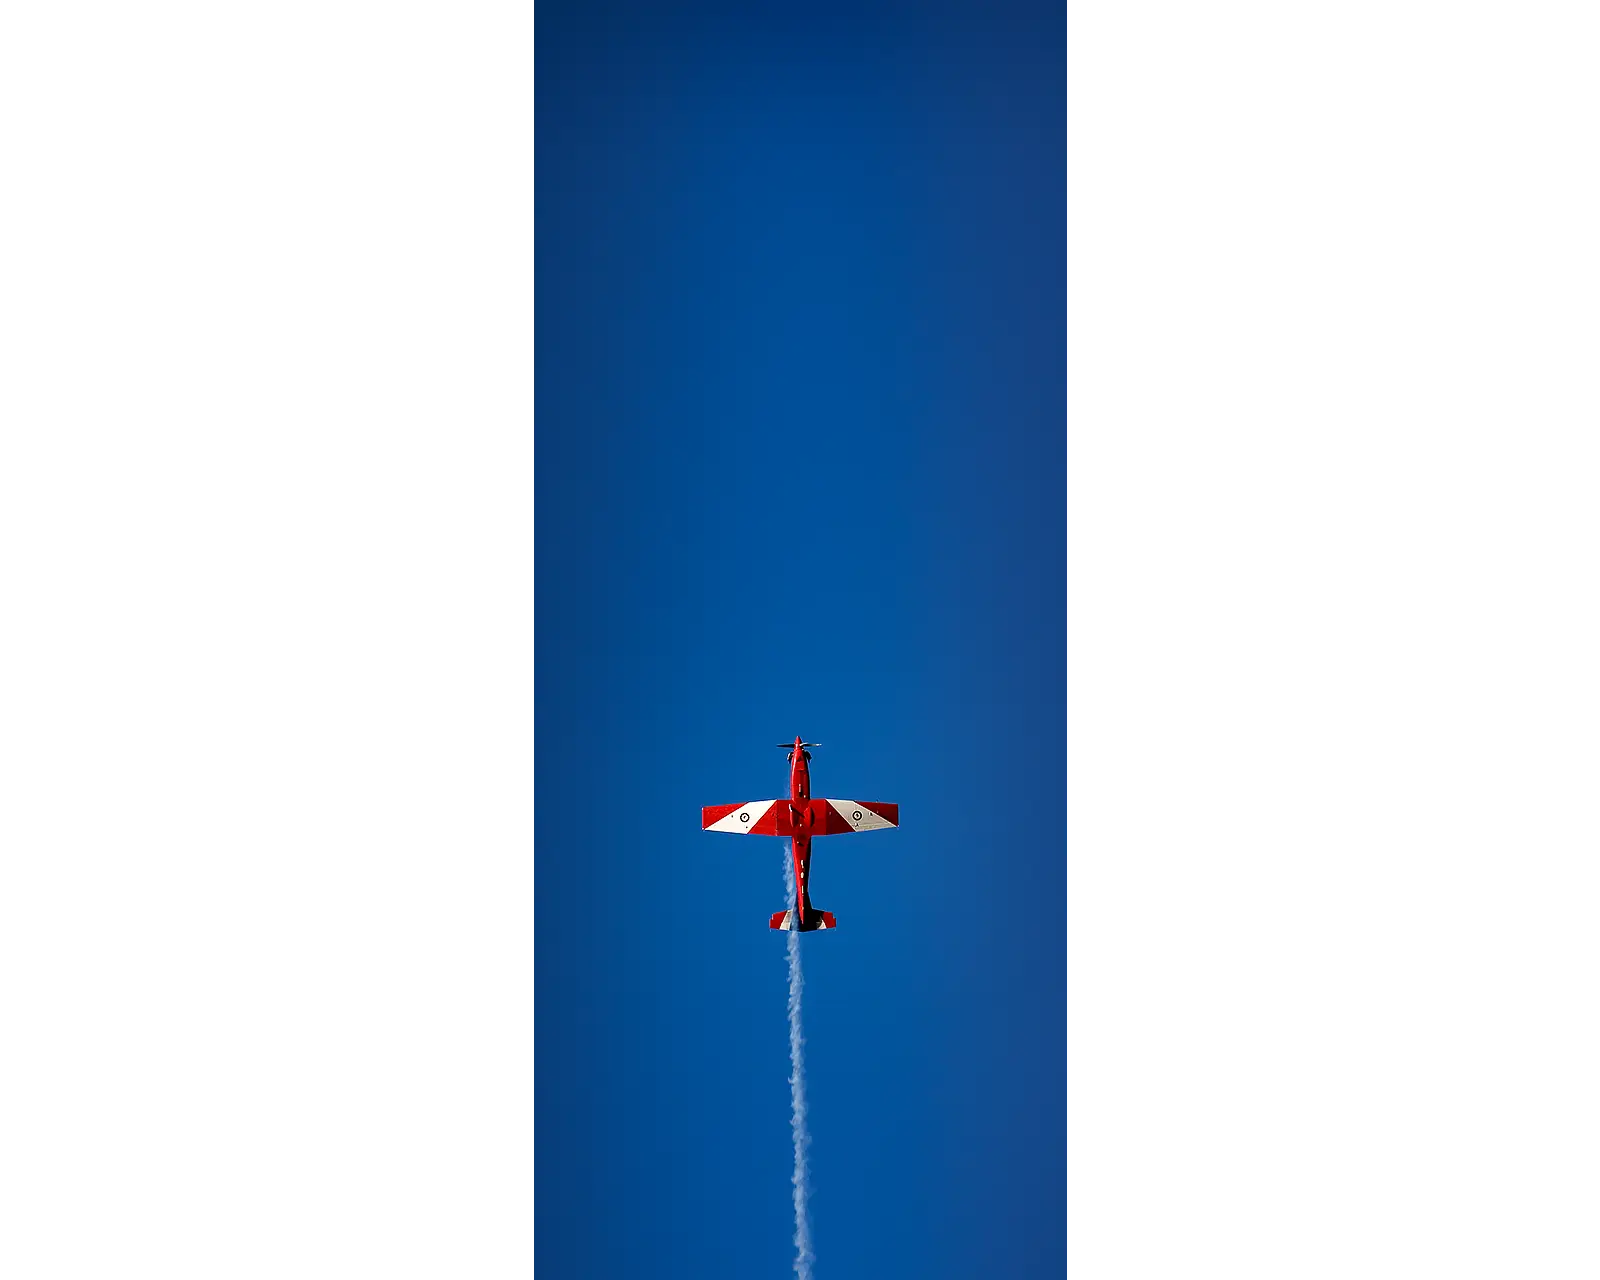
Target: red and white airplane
{"x":800,"y":817}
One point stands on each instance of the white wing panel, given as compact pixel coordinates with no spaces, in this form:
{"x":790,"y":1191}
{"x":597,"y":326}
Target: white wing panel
{"x":743,"y":819}
{"x":858,"y":816}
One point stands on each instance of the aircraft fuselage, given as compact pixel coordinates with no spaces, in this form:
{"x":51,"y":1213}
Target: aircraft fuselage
{"x":801,"y":816}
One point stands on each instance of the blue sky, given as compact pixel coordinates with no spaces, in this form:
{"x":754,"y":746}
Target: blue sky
{"x":801,"y":469}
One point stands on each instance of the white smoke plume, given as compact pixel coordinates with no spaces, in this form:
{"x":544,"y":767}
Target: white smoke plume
{"x":803,"y":1256}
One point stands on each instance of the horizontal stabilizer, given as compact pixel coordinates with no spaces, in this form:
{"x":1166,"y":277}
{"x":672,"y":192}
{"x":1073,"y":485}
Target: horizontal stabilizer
{"x":815,"y":920}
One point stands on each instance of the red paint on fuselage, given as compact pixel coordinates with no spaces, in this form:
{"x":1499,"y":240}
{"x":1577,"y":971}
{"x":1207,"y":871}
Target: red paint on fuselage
{"x":799,"y":773}
{"x":801,"y":816}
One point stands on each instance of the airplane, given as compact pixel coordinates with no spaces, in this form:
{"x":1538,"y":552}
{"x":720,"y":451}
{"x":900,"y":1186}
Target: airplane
{"x":800,"y":817}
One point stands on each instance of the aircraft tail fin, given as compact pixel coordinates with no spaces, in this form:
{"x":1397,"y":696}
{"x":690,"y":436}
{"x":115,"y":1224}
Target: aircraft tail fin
{"x":814,"y":920}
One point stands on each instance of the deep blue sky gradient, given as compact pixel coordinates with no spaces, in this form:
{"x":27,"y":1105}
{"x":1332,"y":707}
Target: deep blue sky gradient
{"x":801,"y":468}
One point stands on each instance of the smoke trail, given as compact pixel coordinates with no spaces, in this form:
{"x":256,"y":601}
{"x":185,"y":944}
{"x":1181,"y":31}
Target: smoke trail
{"x":803,"y":1257}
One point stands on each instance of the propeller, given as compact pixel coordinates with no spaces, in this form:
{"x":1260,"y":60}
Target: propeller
{"x":789,"y":746}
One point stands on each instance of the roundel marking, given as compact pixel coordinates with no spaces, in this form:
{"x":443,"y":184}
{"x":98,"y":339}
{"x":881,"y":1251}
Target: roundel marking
{"x":744,"y":817}
{"x":857,"y":815}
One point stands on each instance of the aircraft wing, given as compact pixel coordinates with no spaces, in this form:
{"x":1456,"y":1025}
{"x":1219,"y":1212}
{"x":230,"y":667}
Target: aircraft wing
{"x":840,"y":817}
{"x":753,"y":818}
